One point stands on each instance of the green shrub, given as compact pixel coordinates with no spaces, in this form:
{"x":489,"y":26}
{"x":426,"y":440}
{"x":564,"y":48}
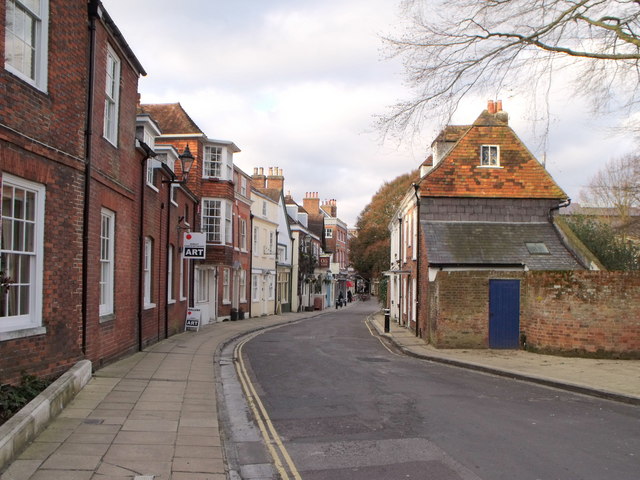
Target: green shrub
{"x":14,"y":397}
{"x":612,"y":250}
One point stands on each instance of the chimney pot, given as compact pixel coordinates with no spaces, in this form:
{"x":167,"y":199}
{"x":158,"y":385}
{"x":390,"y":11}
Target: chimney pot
{"x":499,"y":106}
{"x":491,"y":106}
{"x":261,"y":170}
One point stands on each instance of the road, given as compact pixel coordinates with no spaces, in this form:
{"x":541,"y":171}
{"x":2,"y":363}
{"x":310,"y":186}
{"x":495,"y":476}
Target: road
{"x":345,"y":407}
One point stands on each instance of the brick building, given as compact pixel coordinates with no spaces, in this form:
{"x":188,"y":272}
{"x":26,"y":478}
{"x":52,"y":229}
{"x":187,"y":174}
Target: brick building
{"x":483,"y":204}
{"x":74,"y":183}
{"x":272,"y":186}
{"x":212,"y":181}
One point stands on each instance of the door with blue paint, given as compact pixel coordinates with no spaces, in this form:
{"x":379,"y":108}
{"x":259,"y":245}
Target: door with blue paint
{"x":504,"y":313}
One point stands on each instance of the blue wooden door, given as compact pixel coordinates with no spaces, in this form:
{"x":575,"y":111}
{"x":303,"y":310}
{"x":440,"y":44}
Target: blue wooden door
{"x":504,"y":313}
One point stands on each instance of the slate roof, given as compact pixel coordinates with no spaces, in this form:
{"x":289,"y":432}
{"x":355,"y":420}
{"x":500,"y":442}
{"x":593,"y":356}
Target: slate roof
{"x":459,"y":173}
{"x":171,"y":118}
{"x":495,"y":244}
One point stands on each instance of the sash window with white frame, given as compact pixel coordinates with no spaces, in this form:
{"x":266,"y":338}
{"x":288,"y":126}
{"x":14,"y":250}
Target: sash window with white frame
{"x":148,"y":265}
{"x":216,"y":220}
{"x":213,"y":160}
{"x":226,"y":289}
{"x":21,"y":253}
{"x":26,"y":40}
{"x":171,"y":296}
{"x":243,"y":235}
{"x":112,"y":97}
{"x":107,"y":263}
{"x":255,"y":289}
{"x":243,"y":286}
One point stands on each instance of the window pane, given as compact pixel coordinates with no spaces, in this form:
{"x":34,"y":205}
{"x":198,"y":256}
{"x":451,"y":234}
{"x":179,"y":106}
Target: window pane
{"x":18,"y":236}
{"x":7,"y":234}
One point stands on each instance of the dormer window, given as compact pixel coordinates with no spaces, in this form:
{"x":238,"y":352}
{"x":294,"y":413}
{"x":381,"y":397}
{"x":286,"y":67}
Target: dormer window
{"x":212,"y":161}
{"x":490,"y":156}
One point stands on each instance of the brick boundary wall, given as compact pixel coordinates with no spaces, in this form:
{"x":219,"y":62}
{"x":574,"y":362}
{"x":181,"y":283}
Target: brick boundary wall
{"x":584,"y":313}
{"x":580,"y":313}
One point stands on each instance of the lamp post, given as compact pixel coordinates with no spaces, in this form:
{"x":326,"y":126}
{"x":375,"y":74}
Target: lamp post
{"x":186,"y":162}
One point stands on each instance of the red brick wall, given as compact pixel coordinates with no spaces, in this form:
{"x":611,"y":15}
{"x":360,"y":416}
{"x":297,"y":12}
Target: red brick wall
{"x":116,"y":184}
{"x":582,"y":312}
{"x":50,"y":150}
{"x":54,"y":351}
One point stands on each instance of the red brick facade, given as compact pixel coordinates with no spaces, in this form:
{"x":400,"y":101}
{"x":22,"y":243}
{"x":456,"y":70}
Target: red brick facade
{"x":578,"y":312}
{"x":81,"y":179}
{"x":41,"y":141}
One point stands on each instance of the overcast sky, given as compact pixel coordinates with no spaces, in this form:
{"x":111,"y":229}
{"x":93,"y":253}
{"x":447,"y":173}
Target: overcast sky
{"x":296,"y":84}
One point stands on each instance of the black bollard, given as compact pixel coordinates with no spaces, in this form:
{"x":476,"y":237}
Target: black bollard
{"x":387,"y":316}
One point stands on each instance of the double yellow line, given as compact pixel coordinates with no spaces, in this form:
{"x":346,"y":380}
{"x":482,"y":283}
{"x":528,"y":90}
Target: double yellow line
{"x":281,"y":459}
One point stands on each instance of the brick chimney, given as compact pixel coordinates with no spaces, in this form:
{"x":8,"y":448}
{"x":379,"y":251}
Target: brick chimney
{"x":275,"y":179}
{"x":331,"y":207}
{"x":258,"y":179}
{"x":495,"y":108}
{"x":311,"y":203}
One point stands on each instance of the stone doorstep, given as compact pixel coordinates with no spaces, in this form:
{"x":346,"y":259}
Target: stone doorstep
{"x":17,"y":433}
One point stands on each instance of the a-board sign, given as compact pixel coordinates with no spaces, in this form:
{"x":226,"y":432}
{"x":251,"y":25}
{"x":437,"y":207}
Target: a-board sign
{"x":193,"y":319}
{"x":194,"y":245}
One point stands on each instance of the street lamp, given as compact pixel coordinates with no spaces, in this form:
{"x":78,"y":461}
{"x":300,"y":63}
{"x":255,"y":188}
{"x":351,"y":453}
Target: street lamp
{"x":186,"y":162}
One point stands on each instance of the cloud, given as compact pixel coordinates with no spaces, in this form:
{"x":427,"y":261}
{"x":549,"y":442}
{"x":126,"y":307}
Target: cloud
{"x":296,"y":84}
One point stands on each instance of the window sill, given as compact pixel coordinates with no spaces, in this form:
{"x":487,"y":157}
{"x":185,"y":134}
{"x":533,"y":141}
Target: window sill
{"x":149,"y":306}
{"x":152,"y":187}
{"x":490,"y":166}
{"x":226,"y":302}
{"x":171,"y":301}
{"x":22,"y":333}
{"x":107,"y":318}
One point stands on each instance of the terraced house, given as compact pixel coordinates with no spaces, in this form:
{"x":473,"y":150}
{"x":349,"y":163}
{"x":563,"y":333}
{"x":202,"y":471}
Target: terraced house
{"x":72,"y":171}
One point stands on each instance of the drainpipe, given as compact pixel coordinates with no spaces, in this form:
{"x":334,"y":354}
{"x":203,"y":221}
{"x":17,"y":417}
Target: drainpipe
{"x":93,"y":7}
{"x":558,"y":207}
{"x":168,"y":233}
{"x":275,"y":262}
{"x":400,"y":267}
{"x":416,"y":187}
{"x":293,"y":244}
{"x":250,"y":280}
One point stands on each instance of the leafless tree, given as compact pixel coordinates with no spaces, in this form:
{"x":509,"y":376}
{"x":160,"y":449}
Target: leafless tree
{"x":617,"y":186}
{"x":456,"y":47}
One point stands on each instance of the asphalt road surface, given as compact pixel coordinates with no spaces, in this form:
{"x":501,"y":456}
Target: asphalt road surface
{"x":346,"y":407}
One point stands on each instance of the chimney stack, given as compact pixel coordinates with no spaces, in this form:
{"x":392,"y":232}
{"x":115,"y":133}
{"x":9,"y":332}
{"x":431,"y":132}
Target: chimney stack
{"x":275,"y":179}
{"x":311,"y":203}
{"x":258,"y":180}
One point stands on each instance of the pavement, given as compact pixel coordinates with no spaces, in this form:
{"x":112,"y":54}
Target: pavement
{"x":154,"y":414}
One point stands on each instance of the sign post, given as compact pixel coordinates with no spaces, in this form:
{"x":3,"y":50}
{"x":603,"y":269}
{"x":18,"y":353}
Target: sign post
{"x":194,"y":245}
{"x":193,"y":319}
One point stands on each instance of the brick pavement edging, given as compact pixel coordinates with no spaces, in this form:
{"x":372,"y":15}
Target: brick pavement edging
{"x":18,"y":432}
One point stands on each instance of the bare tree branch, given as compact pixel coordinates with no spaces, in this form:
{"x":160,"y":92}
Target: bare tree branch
{"x":452,"y":48}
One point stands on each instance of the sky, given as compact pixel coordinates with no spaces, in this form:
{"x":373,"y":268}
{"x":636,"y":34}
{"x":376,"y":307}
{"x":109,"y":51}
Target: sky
{"x":298,"y":84}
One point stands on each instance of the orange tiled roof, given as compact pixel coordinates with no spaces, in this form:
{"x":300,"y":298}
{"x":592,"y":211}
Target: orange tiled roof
{"x":171,"y":118}
{"x":520,"y":175}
